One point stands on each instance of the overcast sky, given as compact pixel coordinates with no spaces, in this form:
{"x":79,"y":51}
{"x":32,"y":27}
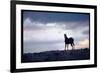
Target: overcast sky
{"x":44,"y":31}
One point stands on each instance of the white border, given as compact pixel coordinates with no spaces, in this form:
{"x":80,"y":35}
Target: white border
{"x":51,"y":64}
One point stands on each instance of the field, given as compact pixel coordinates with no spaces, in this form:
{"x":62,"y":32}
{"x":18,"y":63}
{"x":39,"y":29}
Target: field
{"x":57,"y":55}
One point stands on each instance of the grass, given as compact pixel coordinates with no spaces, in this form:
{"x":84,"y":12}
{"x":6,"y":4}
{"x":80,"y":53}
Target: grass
{"x":57,"y":55}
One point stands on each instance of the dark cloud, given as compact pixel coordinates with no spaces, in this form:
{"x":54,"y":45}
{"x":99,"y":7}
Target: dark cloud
{"x":76,"y":25}
{"x":49,"y":17}
{"x":86,"y":32}
{"x":66,"y":20}
{"x":62,"y":25}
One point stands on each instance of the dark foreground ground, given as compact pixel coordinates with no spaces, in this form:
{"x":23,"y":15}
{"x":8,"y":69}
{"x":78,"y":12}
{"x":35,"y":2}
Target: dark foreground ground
{"x":82,"y":54}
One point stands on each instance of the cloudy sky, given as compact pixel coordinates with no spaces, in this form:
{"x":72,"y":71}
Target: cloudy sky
{"x":44,"y":31}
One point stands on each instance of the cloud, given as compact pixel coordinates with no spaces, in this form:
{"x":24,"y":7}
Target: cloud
{"x":83,"y":44}
{"x":86,"y":32}
{"x":34,"y":25}
{"x":51,"y":32}
{"x":43,"y":35}
{"x":47,"y":33}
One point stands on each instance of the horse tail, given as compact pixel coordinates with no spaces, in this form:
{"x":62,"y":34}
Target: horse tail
{"x":73,"y":44}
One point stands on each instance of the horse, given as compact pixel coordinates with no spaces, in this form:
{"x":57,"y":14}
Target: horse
{"x":69,"y":41}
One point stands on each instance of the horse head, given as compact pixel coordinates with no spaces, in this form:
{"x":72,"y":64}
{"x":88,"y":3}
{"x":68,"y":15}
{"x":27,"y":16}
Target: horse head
{"x":65,"y":35}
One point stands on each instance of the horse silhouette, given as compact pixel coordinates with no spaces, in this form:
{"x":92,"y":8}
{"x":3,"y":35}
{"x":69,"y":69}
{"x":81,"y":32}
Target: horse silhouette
{"x":69,"y":41}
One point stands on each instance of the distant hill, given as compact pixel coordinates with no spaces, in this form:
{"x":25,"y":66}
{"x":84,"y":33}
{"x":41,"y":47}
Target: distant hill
{"x":81,"y":54}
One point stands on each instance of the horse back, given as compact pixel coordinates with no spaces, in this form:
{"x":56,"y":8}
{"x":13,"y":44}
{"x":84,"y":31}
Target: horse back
{"x":71,"y":40}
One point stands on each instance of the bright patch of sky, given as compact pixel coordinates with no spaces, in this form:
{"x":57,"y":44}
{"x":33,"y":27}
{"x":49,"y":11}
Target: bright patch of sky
{"x":44,"y":31}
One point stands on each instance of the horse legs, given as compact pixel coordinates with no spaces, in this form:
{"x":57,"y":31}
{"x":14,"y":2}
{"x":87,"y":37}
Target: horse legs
{"x":72,"y":46}
{"x":65,"y":46}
